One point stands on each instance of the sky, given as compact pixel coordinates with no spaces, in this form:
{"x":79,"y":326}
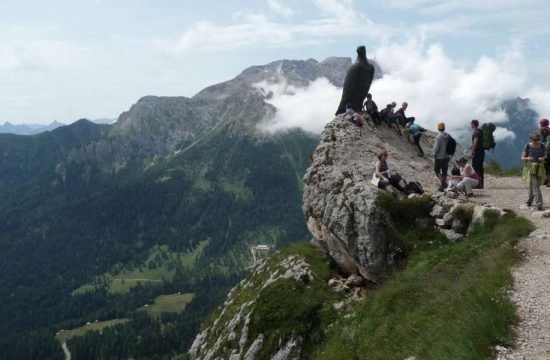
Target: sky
{"x":65,"y":60}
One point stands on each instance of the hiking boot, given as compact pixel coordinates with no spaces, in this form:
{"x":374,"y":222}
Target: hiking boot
{"x":540,"y":208}
{"x":528,"y":203}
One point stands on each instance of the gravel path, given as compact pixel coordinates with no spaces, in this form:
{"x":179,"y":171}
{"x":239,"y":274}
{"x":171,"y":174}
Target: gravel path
{"x":531,"y":291}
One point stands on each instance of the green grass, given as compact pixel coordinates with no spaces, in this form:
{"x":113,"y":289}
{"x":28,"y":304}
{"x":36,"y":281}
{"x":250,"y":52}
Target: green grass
{"x":160,"y":265}
{"x":448,"y":302}
{"x":62,"y":336}
{"x":493,"y":168}
{"x":285,"y":307}
{"x":168,"y":303}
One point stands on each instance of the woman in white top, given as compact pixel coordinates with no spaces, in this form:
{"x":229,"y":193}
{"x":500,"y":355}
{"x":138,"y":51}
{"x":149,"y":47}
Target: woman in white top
{"x":468,"y":178}
{"x":387,"y":180}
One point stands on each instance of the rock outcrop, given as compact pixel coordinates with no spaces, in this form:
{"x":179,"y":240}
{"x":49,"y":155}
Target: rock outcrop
{"x":343,"y":209}
{"x":253,"y":324}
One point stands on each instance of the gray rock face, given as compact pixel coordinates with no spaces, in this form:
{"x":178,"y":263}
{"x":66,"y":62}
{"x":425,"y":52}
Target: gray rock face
{"x":229,"y":333}
{"x":342,"y":208}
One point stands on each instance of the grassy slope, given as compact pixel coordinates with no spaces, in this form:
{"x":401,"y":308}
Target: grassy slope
{"x":448,"y":302}
{"x":168,"y":303}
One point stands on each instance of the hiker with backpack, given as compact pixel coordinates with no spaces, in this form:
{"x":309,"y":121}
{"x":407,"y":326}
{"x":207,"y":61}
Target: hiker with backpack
{"x":478,"y":152}
{"x":387,"y":180}
{"x":466,"y":180}
{"x":544,"y":132}
{"x":441,"y":163}
{"x":416,"y":131}
{"x":534,"y":173}
{"x":372,"y":109}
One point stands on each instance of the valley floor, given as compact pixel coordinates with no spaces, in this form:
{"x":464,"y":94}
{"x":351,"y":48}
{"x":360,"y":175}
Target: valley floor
{"x":531,"y":292}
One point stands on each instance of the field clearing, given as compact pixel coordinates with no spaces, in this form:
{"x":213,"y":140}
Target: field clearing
{"x":168,"y":303}
{"x":63,"y":335}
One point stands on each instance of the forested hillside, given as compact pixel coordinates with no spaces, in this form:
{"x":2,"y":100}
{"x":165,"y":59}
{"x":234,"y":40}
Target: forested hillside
{"x":123,"y":226}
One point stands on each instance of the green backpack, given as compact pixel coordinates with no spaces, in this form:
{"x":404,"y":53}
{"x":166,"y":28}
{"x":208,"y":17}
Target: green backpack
{"x":487,"y":137}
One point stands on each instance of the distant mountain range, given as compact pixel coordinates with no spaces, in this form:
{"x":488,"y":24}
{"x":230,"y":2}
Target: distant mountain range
{"x":33,"y":129}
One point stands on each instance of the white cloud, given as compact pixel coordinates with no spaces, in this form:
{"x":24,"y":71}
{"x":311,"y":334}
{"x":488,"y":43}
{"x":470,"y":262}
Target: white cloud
{"x":279,"y":9}
{"x":23,"y":51}
{"x":342,"y":9}
{"x":503,"y":134}
{"x":436,"y":88}
{"x":540,"y":101}
{"x":258,"y":30}
{"x":309,"y":108}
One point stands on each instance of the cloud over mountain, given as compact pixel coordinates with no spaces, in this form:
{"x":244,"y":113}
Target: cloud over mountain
{"x":436,"y":87}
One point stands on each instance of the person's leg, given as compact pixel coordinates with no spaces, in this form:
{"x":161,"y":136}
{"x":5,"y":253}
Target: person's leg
{"x":467,"y":184}
{"x":530,"y":194}
{"x":477,"y":163}
{"x":444,"y":169}
{"x":417,"y":143}
{"x":397,"y":182}
{"x":536,"y":191}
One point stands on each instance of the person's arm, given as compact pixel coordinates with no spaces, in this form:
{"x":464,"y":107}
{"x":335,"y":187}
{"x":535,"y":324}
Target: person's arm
{"x":475,"y":143}
{"x":378,"y":172}
{"x":525,"y":154}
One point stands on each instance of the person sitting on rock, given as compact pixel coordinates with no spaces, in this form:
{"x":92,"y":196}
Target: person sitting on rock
{"x":400,"y":116}
{"x":387,"y":180}
{"x":467,"y":180}
{"x":372,"y":109}
{"x":389,"y":114}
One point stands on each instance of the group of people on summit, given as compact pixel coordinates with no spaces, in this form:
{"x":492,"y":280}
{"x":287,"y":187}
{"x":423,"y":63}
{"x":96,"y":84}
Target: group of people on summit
{"x":464,"y":177}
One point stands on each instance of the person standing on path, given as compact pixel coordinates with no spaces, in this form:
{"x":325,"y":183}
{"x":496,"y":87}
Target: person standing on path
{"x":441,"y":163}
{"x":478,"y":154}
{"x":545,"y":140}
{"x":534,"y":173}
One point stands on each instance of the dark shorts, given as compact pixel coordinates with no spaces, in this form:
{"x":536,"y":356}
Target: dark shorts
{"x":441,"y":166}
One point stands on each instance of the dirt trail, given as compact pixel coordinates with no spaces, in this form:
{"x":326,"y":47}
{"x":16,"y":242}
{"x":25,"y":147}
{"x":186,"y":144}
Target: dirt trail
{"x":531,"y":291}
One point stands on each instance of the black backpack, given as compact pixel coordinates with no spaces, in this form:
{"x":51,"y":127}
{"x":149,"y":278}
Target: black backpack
{"x":487,"y":137}
{"x":451,"y":146}
{"x":383,"y":114}
{"x":413,"y":187}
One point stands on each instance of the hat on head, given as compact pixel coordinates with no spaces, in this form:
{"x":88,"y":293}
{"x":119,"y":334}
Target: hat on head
{"x":461,"y":159}
{"x":441,"y":126}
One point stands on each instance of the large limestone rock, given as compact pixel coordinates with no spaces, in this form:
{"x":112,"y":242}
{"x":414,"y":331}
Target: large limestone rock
{"x":342,"y":207}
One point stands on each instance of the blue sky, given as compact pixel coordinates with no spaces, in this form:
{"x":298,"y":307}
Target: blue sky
{"x":64,"y":60}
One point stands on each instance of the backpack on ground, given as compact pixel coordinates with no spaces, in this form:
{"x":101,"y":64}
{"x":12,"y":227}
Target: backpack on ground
{"x":451,"y":146}
{"x":487,"y":137}
{"x":413,"y":187}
